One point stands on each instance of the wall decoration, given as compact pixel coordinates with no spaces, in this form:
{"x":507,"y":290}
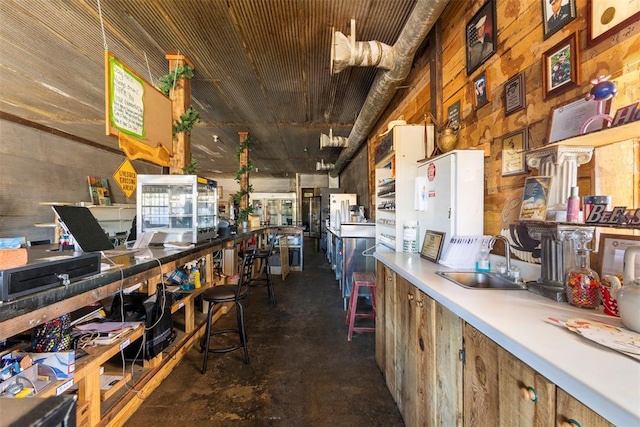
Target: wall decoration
{"x":567,"y":119}
{"x":514,"y":146}
{"x":627,"y":114}
{"x":534,"y":198}
{"x":481,"y":36}
{"x":611,"y":253}
{"x":601,"y":92}
{"x":556,"y":14}
{"x":514,"y":94}
{"x":432,"y":245}
{"x":560,"y":67}
{"x":453,"y":114}
{"x":480,"y":90}
{"x":605,"y":18}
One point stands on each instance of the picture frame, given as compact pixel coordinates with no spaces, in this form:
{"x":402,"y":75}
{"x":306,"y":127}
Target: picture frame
{"x":514,"y":147}
{"x":481,"y":33}
{"x":605,"y":18}
{"x":453,"y":113}
{"x":514,"y":94}
{"x":560,"y":67}
{"x":556,"y":14}
{"x":432,"y":245}
{"x":611,"y":252}
{"x":566,"y":119}
{"x":481,"y":90}
{"x":535,"y":198}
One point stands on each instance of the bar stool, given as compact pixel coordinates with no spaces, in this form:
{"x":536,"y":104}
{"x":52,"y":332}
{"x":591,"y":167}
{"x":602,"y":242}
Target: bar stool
{"x":264,"y":255}
{"x":360,"y":280}
{"x":224,"y":294}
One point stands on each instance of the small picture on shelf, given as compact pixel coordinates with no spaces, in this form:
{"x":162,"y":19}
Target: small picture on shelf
{"x":99,"y":191}
{"x":535,"y":198}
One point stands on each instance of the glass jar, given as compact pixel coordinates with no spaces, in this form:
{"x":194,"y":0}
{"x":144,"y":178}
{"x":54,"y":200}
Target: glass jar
{"x":582,"y":283}
{"x":410,"y":237}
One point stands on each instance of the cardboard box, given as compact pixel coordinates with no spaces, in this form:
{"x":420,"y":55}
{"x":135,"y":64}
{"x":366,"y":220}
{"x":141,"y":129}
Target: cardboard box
{"x":63,"y":363}
{"x":254,"y":220}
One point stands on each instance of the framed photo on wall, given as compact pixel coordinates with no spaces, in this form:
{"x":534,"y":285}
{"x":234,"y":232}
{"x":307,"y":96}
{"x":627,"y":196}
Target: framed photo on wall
{"x":604,"y":18}
{"x":514,"y":147}
{"x":556,"y":14}
{"x":560,"y":67}
{"x":514,"y":95}
{"x":481,"y":36}
{"x":480,"y":90}
{"x":453,"y":113}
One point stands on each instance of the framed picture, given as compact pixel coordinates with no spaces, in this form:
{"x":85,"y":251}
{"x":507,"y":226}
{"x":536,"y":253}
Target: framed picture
{"x":432,"y":245}
{"x":605,"y":18}
{"x":514,"y":147}
{"x":566,"y":119}
{"x":481,"y":90}
{"x":556,"y":14}
{"x":535,"y":198}
{"x":611,"y":253}
{"x":453,"y":113}
{"x":560,"y":67}
{"x":514,"y":99}
{"x":481,"y":36}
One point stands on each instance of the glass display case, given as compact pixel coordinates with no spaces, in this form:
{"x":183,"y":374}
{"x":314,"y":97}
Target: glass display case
{"x":275,"y":208}
{"x":185,"y":207}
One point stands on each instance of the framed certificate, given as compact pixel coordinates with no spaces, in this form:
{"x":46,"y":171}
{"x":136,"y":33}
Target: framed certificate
{"x":611,"y":253}
{"x":432,"y":245}
{"x":514,"y":146}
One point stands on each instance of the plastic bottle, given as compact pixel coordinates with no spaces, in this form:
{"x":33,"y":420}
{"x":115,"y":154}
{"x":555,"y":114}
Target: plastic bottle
{"x":573,"y":205}
{"x":482,"y":260}
{"x":195,"y":271}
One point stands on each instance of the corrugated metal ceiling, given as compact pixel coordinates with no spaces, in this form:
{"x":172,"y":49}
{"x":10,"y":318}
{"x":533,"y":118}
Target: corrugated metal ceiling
{"x":260,"y":66}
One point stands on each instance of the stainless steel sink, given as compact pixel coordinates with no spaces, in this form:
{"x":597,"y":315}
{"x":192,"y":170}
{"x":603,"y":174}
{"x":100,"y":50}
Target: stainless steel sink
{"x":475,"y":280}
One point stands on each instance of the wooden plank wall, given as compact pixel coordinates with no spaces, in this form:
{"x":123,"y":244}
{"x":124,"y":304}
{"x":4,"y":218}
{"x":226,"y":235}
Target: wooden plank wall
{"x":40,"y":167}
{"x":520,"y":49}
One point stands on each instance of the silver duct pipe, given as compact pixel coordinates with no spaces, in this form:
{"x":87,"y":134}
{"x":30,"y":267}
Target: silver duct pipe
{"x":424,"y":16}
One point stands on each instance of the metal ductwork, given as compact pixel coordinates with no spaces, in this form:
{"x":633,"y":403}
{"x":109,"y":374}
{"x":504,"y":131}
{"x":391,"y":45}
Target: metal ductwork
{"x":333,"y":141}
{"x":347,"y":52}
{"x":424,"y":16}
{"x":322,"y":166}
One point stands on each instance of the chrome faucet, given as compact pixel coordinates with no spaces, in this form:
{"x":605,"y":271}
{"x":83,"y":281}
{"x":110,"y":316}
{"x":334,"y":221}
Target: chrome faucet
{"x":507,"y":253}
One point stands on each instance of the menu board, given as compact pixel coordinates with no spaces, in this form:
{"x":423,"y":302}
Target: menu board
{"x":136,"y":109}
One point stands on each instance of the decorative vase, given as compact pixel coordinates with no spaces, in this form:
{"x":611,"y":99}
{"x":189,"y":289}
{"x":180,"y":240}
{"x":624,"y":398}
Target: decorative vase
{"x":447,"y":139}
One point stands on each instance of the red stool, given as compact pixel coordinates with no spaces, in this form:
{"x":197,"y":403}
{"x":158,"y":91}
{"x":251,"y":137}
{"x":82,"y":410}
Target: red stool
{"x":360,"y":280}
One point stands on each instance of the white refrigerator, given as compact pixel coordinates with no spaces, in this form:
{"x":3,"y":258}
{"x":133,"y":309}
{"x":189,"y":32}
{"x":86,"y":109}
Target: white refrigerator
{"x":450,"y":194}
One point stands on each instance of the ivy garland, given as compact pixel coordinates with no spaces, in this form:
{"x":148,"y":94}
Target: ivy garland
{"x":168,"y":80}
{"x":187,"y":120}
{"x":243,"y":215}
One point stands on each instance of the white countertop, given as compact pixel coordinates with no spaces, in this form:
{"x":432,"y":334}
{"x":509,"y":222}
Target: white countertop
{"x":602,"y":379}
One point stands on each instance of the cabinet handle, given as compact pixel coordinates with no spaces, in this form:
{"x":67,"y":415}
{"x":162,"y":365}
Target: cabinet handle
{"x":420,"y":303}
{"x":571,"y":423}
{"x":410,"y":297}
{"x":529,"y":393}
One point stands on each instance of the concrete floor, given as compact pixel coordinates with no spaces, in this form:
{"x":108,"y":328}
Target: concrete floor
{"x":303,"y":371}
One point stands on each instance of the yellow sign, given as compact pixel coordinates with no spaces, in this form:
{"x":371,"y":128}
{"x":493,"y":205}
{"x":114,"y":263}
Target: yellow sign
{"x":126,"y":177}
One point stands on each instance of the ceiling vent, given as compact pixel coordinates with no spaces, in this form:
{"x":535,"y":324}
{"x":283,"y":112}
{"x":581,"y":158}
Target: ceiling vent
{"x":322,"y":166}
{"x":347,"y":52}
{"x":333,"y":141}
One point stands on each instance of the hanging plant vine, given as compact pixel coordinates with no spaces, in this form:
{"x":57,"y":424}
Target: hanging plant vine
{"x":243,"y":215}
{"x":187,"y":120}
{"x":168,"y":80}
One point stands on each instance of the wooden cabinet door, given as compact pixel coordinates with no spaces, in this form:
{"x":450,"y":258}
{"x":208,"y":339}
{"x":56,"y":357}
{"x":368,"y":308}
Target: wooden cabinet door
{"x":568,"y":408}
{"x":382,"y":273}
{"x":446,"y":393}
{"x":480,"y":389}
{"x":426,"y":359}
{"x":526,"y":397}
{"x":390,"y":332}
{"x":406,"y":350}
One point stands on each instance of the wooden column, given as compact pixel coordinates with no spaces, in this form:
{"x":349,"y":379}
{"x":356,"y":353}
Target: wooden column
{"x":180,"y":101}
{"x":244,"y":178}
